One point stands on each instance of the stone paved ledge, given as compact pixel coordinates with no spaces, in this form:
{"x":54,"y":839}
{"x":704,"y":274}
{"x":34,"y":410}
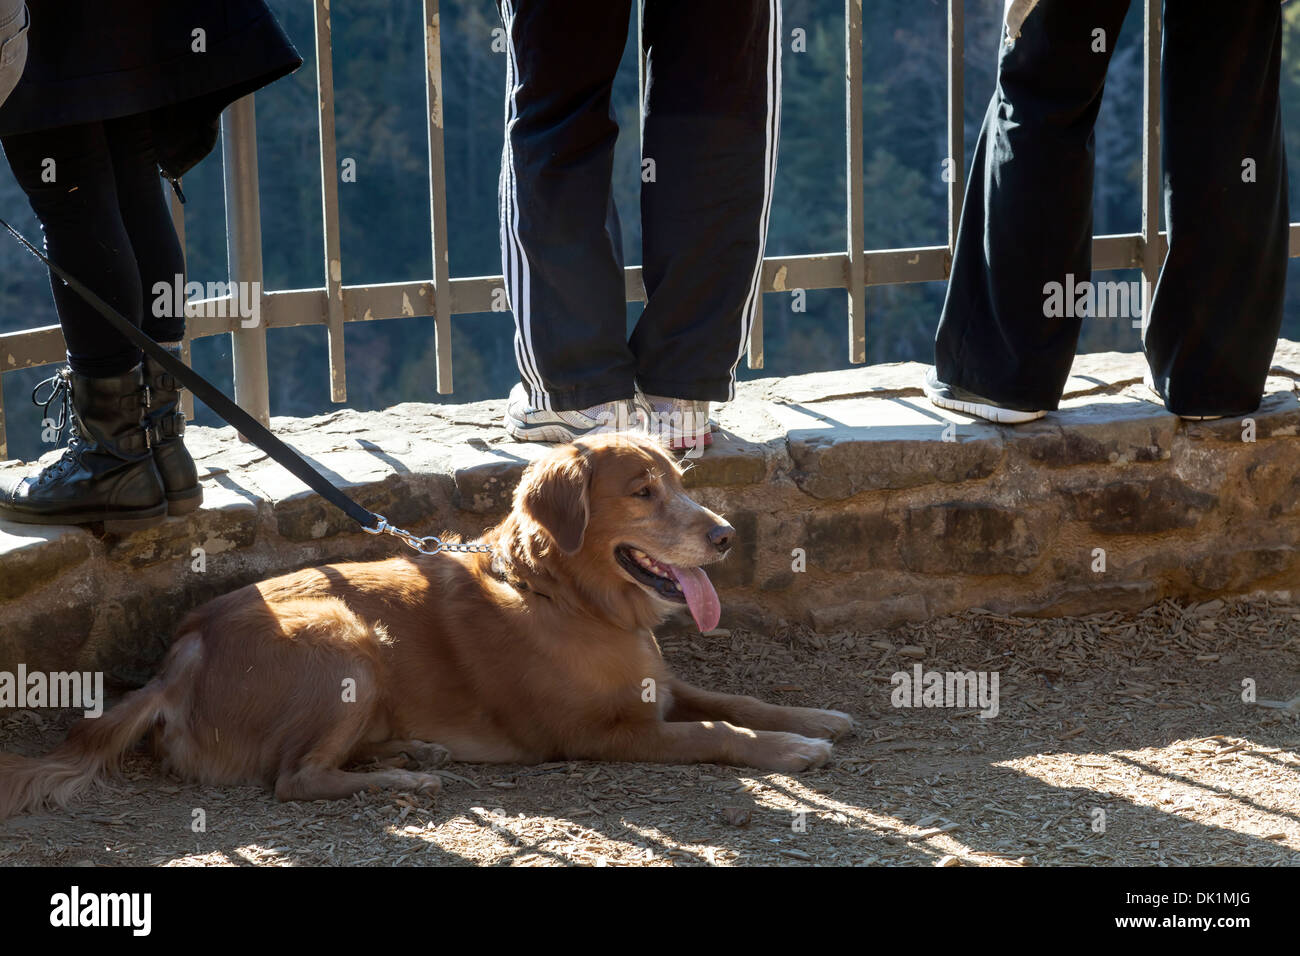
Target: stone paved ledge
{"x":896,"y":522}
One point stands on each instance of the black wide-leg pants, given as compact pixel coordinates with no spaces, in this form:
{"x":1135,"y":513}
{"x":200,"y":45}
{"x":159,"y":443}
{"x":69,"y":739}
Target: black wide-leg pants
{"x":1027,"y":219}
{"x":710,"y":122}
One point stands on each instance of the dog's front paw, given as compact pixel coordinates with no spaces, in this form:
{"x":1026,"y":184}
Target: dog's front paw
{"x":791,"y":752}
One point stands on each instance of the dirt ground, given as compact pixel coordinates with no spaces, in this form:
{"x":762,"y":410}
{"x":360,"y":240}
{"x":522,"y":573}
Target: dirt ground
{"x":1120,"y":739}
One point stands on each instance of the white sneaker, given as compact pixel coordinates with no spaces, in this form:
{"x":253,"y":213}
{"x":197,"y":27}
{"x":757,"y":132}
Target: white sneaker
{"x":677,"y":422}
{"x":957,"y":399}
{"x":526,"y":423}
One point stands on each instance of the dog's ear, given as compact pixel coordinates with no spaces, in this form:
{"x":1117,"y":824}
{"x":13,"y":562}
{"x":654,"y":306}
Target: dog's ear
{"x":557,"y":495}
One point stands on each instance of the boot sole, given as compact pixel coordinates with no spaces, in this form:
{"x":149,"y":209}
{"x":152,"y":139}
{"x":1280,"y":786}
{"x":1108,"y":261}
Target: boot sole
{"x":184,"y":504}
{"x":129,"y":525}
{"x":114,"y":522}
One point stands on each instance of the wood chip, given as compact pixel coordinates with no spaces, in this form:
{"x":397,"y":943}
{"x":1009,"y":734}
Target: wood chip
{"x":736,"y":816}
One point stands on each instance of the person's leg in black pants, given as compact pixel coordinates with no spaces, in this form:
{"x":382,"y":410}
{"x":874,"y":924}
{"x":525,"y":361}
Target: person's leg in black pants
{"x":1217,"y":308}
{"x":159,"y":259}
{"x":96,"y":191}
{"x":68,"y":176}
{"x":1027,"y":218}
{"x":146,"y":216}
{"x":712,"y":119}
{"x":562,"y":253}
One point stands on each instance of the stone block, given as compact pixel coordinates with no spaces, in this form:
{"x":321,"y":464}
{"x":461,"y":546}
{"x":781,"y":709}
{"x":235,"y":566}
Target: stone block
{"x":841,"y":448}
{"x":33,"y":555}
{"x":1140,"y":505}
{"x":972,"y":537}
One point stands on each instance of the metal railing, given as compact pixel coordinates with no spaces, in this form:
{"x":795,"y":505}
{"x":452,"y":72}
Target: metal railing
{"x":440,"y":297}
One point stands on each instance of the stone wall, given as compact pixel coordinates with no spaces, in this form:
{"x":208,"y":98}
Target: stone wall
{"x":858,"y":505}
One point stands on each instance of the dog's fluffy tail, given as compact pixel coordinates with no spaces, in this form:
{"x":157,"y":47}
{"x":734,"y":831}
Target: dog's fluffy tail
{"x":94,"y":746}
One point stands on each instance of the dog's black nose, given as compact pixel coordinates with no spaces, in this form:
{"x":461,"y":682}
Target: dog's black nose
{"x":722,"y":536}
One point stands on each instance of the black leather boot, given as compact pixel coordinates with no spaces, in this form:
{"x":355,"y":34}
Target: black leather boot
{"x":180,"y":477}
{"x":107,"y":471}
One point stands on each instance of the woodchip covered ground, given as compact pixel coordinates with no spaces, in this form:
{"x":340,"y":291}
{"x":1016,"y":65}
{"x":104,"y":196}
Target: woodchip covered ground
{"x":1139,"y":717}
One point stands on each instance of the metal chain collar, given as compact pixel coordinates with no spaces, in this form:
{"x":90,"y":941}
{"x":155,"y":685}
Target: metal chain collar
{"x":429,"y":544}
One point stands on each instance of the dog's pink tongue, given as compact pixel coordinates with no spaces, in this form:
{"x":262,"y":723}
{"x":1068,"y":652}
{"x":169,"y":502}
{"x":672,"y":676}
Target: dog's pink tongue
{"x":700,"y":596}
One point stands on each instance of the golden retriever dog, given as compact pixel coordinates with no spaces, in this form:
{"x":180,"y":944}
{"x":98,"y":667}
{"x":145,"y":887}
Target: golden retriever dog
{"x":540,"y":650}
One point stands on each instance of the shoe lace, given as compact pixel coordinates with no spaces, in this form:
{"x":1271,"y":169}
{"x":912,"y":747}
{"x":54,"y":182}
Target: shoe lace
{"x":60,"y":390}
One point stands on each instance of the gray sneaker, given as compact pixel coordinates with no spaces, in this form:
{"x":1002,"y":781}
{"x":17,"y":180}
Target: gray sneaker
{"x":957,"y":399}
{"x":526,"y":423}
{"x":677,"y":422}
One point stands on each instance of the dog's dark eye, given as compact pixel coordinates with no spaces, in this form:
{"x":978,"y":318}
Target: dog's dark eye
{"x":643,"y":492}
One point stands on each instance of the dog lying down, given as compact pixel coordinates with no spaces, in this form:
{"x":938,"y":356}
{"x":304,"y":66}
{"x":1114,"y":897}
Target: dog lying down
{"x":539,"y":651}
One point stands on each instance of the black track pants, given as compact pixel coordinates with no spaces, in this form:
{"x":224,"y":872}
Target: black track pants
{"x":1027,"y":221}
{"x":711,"y":118}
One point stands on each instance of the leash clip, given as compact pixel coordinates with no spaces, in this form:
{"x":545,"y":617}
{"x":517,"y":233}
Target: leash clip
{"x":430,"y":544}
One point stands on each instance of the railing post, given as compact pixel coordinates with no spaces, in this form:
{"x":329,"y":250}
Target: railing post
{"x":754,"y":349}
{"x":244,"y":252}
{"x":856,"y":280}
{"x":329,"y":181}
{"x":1152,"y":249}
{"x":956,"y":118}
{"x":437,"y":196}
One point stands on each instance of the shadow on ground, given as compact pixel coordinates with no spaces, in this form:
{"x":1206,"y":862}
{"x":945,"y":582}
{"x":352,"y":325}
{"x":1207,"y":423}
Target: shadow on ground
{"x":1120,"y":739}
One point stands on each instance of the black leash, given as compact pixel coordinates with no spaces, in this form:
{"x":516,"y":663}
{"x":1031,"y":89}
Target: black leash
{"x":243,"y":422}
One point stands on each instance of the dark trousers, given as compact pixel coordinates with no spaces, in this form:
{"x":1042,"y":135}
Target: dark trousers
{"x":96,"y":190}
{"x":1027,"y":220}
{"x":711,"y":116}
